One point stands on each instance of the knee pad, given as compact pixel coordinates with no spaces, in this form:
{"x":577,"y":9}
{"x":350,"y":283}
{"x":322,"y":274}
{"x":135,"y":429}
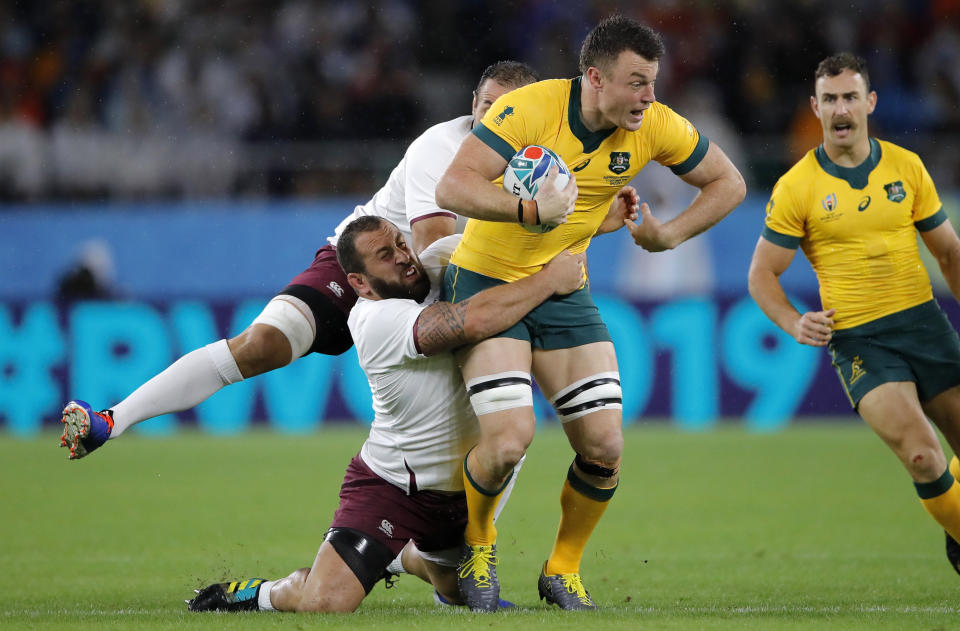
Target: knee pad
{"x":284,"y":314}
{"x":367,"y":558}
{"x":502,"y":391}
{"x":597,"y":392}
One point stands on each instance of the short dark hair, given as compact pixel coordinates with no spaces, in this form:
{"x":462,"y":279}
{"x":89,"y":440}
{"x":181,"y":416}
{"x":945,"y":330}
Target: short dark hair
{"x":509,"y":73}
{"x":616,"y":34}
{"x":350,"y":260}
{"x":835,"y":64}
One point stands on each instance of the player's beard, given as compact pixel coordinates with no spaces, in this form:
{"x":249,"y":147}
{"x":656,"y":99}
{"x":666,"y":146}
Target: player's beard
{"x":392,"y":289}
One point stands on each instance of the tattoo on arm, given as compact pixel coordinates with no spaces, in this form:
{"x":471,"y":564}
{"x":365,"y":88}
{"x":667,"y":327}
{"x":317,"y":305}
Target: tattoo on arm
{"x":441,"y":327}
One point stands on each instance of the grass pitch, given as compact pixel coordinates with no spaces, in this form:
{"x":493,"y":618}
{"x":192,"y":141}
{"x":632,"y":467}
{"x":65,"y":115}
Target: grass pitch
{"x":812,"y":527}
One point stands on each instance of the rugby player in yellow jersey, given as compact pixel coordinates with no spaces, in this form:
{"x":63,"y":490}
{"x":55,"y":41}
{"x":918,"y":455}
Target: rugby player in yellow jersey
{"x":606,"y":125}
{"x":854,"y":205}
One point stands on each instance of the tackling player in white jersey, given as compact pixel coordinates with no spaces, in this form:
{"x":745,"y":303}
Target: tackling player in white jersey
{"x":405,"y":484}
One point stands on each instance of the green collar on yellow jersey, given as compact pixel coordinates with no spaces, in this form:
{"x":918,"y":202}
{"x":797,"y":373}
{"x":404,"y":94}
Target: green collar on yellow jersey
{"x":857,"y":176}
{"x":591,"y":139}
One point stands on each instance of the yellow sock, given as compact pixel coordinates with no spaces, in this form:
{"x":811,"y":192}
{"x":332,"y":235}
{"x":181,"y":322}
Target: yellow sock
{"x":481,"y":505}
{"x":579,"y":515}
{"x":941,"y":499}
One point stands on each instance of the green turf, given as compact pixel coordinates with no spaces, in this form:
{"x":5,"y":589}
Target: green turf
{"x":815,"y":526}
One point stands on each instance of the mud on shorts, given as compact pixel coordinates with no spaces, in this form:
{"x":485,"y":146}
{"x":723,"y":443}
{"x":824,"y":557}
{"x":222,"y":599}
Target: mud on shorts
{"x":558,"y":322}
{"x":324,"y":288}
{"x":917,"y":344}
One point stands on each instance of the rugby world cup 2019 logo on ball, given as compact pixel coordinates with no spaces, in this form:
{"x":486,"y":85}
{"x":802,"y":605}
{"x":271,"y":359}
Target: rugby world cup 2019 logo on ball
{"x":527,"y":170}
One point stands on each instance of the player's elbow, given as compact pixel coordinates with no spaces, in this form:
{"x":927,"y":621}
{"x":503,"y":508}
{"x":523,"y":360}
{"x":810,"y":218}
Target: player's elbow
{"x":446,"y":189}
{"x":762,"y":283}
{"x":949,"y":258}
{"x":738,"y":187}
{"x":754,"y":280}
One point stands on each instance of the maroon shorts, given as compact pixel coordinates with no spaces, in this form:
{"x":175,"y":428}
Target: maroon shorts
{"x":323,"y":286}
{"x":384,"y":512}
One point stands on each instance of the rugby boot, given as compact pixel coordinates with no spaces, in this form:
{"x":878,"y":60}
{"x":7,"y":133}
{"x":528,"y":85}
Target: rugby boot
{"x":564,"y":590}
{"x":953,"y":553}
{"x":443,"y":602}
{"x":83,"y":429}
{"x":477,"y":577}
{"x":390,"y":579}
{"x":233,"y":596}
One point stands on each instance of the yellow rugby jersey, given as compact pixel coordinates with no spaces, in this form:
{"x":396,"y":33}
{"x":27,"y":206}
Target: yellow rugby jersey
{"x":857,"y":227}
{"x":548,"y":113}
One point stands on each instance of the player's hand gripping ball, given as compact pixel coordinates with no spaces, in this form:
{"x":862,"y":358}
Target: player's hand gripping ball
{"x":527,"y":170}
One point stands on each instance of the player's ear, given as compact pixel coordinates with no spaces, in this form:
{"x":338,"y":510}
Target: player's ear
{"x":814,"y":106}
{"x":871,"y":101}
{"x":359,"y":283}
{"x":594,"y":77}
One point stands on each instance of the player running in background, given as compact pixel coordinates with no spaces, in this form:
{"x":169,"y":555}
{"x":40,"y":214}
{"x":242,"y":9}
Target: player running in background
{"x":605,"y":125}
{"x":406,"y":482}
{"x":310,"y":314}
{"x":854,"y":205}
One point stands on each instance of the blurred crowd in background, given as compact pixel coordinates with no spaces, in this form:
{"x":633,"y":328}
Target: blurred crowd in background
{"x":135,"y":99}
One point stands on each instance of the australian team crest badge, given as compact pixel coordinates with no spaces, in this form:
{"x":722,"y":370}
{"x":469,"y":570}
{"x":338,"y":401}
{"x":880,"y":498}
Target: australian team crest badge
{"x":619,"y":161}
{"x":829,"y":202}
{"x":895,"y":192}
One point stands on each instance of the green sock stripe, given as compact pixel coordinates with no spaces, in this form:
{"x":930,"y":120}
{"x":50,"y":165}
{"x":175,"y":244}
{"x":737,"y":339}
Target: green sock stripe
{"x":581,"y":486}
{"x":479,"y":489}
{"x":930,"y":490}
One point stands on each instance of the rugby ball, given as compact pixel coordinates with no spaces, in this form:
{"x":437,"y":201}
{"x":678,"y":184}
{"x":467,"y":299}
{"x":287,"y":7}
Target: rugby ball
{"x":527,"y":170}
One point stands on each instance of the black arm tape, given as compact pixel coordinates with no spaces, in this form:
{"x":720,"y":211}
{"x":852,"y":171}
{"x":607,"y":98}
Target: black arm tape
{"x":366,"y":557}
{"x":333,"y":334}
{"x":594,"y":469}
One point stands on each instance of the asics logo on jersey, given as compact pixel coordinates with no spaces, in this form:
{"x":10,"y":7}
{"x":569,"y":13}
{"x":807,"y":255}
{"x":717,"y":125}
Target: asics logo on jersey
{"x":335,"y":288}
{"x":499,"y":118}
{"x":829,"y":202}
{"x":387,"y":528}
{"x":862,"y":206}
{"x":581,"y":166}
{"x":895,"y":192}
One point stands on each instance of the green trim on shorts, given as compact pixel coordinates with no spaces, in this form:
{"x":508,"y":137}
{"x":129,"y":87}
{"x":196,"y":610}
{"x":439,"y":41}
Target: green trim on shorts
{"x":558,"y":322}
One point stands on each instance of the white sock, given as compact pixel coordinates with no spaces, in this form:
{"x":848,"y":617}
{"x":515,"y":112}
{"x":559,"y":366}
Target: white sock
{"x":190,"y":380}
{"x":396,"y":566}
{"x":263,"y":596}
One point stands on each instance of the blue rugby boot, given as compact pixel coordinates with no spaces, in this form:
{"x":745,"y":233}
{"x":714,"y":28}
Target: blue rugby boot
{"x":83,"y":429}
{"x":233,"y":596}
